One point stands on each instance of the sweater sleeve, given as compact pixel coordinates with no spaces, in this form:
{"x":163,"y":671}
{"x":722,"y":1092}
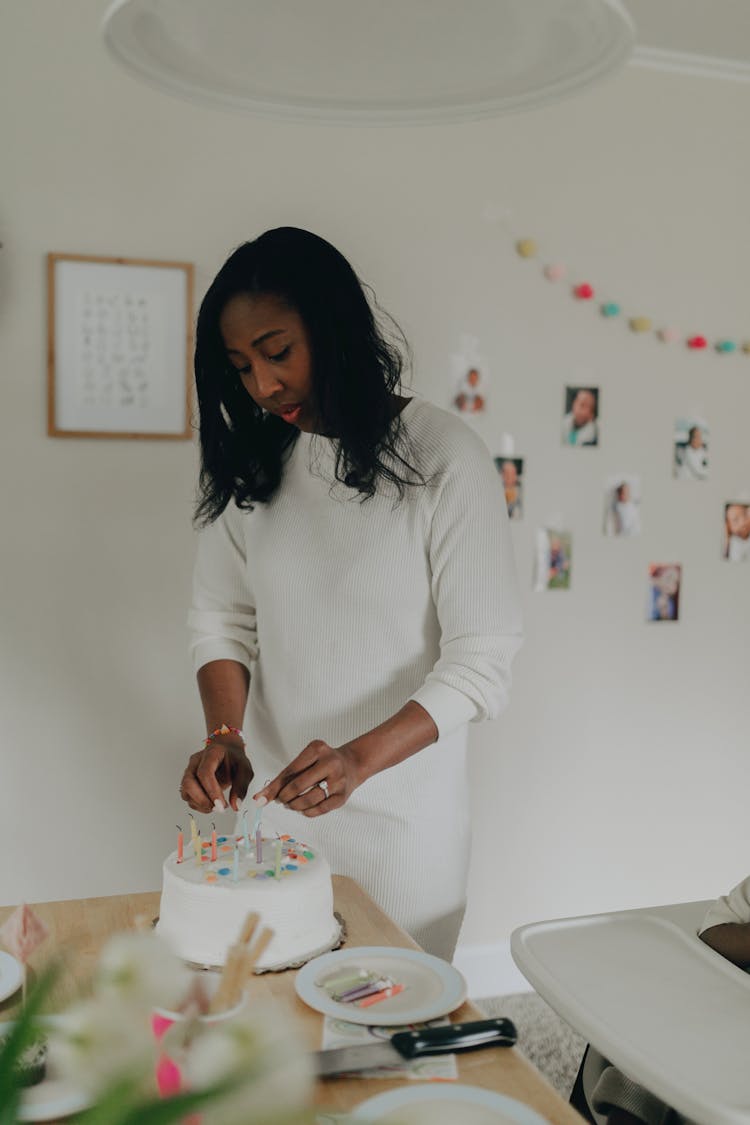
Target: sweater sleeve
{"x":734,"y":907}
{"x":475,"y":591}
{"x":222,"y":618}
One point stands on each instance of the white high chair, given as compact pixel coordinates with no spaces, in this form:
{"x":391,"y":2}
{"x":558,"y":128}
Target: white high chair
{"x":642,"y":987}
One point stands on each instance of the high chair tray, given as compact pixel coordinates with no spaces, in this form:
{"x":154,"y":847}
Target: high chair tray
{"x":656,"y":1001}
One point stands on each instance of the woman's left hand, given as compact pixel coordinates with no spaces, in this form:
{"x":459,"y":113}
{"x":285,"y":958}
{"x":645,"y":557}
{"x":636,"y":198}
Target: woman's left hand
{"x":320,"y":779}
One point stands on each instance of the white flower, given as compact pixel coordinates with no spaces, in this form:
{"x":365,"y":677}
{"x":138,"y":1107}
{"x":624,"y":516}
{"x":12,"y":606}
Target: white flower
{"x":262,"y":1045}
{"x":97,"y":1041}
{"x":140,"y":969}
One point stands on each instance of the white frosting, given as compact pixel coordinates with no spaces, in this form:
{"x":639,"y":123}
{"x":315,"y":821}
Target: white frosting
{"x":203,"y":907}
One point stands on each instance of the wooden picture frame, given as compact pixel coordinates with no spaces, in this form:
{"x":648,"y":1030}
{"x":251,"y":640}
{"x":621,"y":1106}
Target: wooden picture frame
{"x":119,"y":361}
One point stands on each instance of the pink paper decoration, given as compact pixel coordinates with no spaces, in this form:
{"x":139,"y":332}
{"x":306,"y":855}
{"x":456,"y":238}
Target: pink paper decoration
{"x":23,"y":932}
{"x":669,"y":335}
{"x":583,"y":292}
{"x":696,"y":342}
{"x":555,"y":272}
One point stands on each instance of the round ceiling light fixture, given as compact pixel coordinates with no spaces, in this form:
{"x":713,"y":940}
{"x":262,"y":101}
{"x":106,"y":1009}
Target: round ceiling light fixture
{"x":380,"y":62}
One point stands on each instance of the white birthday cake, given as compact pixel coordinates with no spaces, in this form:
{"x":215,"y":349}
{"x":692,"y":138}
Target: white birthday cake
{"x":205,"y":899}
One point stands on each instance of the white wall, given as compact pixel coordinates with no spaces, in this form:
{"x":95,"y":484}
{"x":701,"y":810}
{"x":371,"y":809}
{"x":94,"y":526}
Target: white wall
{"x":618,"y":777}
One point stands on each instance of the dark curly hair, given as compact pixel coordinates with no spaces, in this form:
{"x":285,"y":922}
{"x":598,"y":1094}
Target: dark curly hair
{"x":356,"y":371}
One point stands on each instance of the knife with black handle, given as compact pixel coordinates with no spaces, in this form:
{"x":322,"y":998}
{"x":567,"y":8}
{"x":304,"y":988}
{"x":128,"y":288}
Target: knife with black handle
{"x":472,"y":1036}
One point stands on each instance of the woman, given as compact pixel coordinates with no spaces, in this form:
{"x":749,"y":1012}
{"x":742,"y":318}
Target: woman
{"x":354,"y":596}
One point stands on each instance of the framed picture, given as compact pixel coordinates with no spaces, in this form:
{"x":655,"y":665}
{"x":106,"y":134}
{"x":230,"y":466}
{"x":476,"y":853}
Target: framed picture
{"x":120,"y":346}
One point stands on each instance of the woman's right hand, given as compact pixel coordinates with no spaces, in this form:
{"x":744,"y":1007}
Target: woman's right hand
{"x":223,"y":763}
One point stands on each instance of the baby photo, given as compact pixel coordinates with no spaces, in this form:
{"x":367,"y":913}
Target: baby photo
{"x":553,"y":559}
{"x":511,"y":471}
{"x":471,"y":395}
{"x":622,"y":505}
{"x":736,"y":545}
{"x":664,"y":591}
{"x":581,"y":419}
{"x":690,"y":449}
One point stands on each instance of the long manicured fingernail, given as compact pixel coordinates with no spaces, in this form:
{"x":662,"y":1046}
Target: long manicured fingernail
{"x":260,"y":800}
{"x":219,"y":805}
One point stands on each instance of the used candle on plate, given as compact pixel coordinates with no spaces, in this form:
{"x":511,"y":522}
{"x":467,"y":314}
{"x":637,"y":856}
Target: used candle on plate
{"x":236,"y":866}
{"x":213,"y":843}
{"x":277,"y":858}
{"x":180,"y":845}
{"x":258,"y":846}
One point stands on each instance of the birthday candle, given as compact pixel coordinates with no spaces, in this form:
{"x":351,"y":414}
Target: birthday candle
{"x":378,"y":996}
{"x":180,"y":845}
{"x":366,"y":989}
{"x":196,"y":838}
{"x":236,"y":867}
{"x":356,"y":978}
{"x":260,"y":803}
{"x":213,"y":842}
{"x":244,"y":826}
{"x":277,"y":850}
{"x":258,"y":846}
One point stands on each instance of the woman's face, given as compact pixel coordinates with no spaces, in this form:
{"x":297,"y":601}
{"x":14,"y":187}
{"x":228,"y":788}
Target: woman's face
{"x":269,"y":346}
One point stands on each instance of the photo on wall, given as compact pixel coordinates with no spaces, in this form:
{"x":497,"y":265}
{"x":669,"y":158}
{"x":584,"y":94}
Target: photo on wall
{"x":553,"y":559}
{"x":471,"y":396}
{"x":622,"y":505}
{"x":690,"y":449}
{"x":580,"y":425}
{"x":736,"y":544}
{"x":511,"y":472}
{"x":664,"y":582}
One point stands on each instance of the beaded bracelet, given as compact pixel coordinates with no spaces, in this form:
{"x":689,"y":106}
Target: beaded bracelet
{"x":223,"y":729}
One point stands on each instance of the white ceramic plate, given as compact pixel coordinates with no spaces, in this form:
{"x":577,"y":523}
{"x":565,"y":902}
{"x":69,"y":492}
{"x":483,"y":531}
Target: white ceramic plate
{"x":438,"y":1104}
{"x":433,"y":988}
{"x":11,"y":975}
{"x":51,"y":1098}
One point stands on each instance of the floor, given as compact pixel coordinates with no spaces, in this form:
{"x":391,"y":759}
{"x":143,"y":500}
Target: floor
{"x":546,"y":1040}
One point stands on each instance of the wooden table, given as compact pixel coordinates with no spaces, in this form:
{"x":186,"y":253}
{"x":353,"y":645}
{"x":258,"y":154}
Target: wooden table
{"x":80,"y":928}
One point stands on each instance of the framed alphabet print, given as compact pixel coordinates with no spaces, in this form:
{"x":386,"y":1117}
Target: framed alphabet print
{"x":120,"y":344}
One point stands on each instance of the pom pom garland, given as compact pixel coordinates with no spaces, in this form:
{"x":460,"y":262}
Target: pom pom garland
{"x":526,"y":248}
{"x":555,"y":272}
{"x":584,"y":291}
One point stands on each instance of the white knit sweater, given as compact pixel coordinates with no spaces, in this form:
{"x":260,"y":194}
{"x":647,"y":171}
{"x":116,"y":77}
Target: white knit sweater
{"x":342,"y":610}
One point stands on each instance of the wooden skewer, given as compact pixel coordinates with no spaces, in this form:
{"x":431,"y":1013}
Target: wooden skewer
{"x":239,"y":965}
{"x":248,"y":928}
{"x":230,"y":980}
{"x":255,"y":953}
